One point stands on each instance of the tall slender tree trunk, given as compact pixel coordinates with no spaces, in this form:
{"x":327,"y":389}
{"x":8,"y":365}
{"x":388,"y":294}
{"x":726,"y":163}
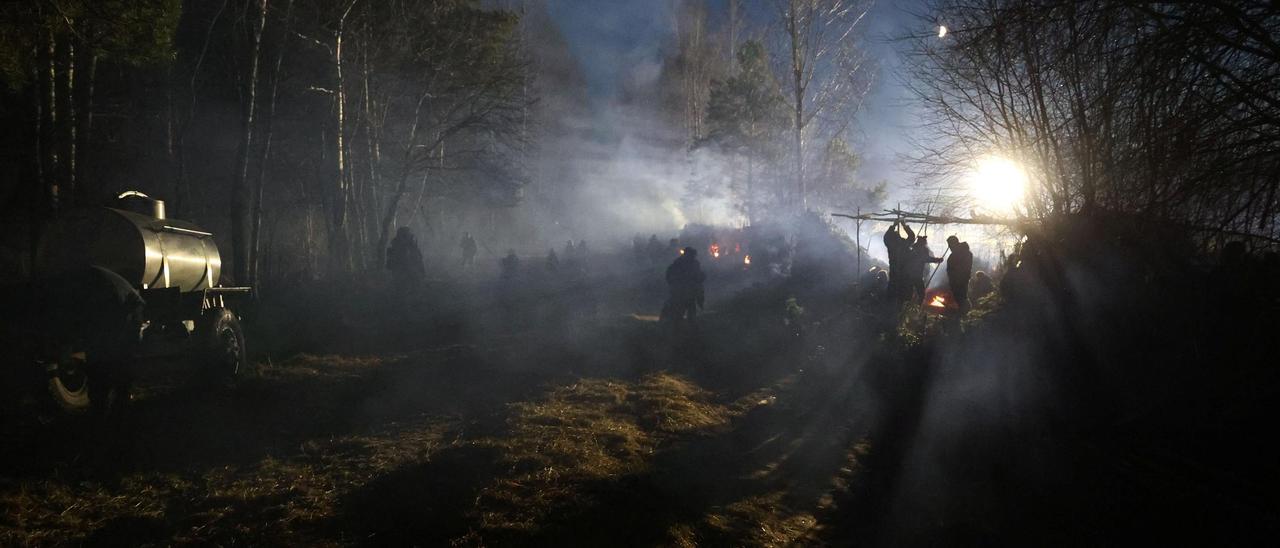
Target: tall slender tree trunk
{"x":751,"y":190}
{"x":339,"y":242}
{"x":255,"y":246}
{"x":182,"y":191}
{"x":797,"y":91}
{"x":84,"y":135}
{"x":402,"y":187}
{"x":373,"y":159}
{"x":53,"y":167}
{"x":69,"y":98}
{"x":239,"y":219}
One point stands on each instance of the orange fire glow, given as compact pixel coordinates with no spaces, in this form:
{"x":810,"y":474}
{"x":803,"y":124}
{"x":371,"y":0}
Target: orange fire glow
{"x":938,"y":302}
{"x":715,"y":250}
{"x":746,"y":260}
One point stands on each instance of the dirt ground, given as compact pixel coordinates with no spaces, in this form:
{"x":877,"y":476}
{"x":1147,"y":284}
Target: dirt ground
{"x":599,"y":428}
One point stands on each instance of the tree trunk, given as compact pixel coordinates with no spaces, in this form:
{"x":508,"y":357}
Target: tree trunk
{"x":239,"y":237}
{"x":181,"y":192}
{"x":751,"y":189}
{"x":255,"y":246}
{"x":53,"y":168}
{"x":69,"y":98}
{"x":84,"y":134}
{"x":393,"y":206}
{"x":797,"y":91}
{"x":339,"y":241}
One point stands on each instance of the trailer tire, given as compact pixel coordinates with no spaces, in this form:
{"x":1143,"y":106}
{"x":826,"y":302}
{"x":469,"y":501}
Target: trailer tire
{"x":223,"y":351}
{"x":68,"y":384}
{"x":77,"y":387}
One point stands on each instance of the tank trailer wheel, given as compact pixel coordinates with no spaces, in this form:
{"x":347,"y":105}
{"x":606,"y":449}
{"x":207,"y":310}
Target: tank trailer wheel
{"x":223,"y":351}
{"x":69,"y":382}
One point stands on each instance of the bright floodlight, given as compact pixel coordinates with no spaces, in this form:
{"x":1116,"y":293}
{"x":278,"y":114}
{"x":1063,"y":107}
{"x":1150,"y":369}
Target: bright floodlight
{"x":998,"y":184}
{"x":942,"y":31}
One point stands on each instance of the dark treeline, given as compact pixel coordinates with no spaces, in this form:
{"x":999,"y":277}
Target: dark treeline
{"x":309,"y":128}
{"x":302,"y":132}
{"x":1168,"y":110}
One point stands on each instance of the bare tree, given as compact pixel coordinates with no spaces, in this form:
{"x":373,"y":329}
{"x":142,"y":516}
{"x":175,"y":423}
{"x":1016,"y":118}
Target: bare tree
{"x":817,"y":51}
{"x":1162,"y":110}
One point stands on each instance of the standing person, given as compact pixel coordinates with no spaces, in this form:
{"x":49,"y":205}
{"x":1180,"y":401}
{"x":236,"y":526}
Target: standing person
{"x":570,"y":256}
{"x":898,"y":247}
{"x":959,"y":268}
{"x":684,"y":281}
{"x":468,"y":246}
{"x":404,"y":259}
{"x":509,"y":265}
{"x":637,"y":250}
{"x":918,"y":259}
{"x":553,"y":262}
{"x":656,"y":255}
{"x":672,"y":249}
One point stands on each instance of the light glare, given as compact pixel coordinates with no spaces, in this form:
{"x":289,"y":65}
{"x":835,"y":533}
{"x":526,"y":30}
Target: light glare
{"x":998,"y":184}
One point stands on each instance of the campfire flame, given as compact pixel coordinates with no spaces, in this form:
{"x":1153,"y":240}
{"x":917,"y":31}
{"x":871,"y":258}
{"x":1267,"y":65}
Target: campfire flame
{"x":715,"y":250}
{"x":938,"y":302}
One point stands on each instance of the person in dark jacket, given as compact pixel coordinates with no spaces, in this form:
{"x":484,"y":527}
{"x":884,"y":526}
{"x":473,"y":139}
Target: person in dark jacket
{"x":918,"y":258}
{"x":898,"y":247}
{"x":959,"y":269}
{"x":468,"y":247}
{"x":982,"y":285}
{"x":404,"y":259}
{"x":553,"y":261}
{"x":684,"y":281}
{"x":509,"y":266}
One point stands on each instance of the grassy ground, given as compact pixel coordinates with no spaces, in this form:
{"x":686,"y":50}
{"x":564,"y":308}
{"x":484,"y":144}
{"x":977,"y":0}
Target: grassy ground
{"x":584,"y":433}
{"x":586,"y":425}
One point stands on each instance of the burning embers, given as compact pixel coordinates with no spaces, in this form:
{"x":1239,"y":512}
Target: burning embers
{"x":940,"y":300}
{"x":715,"y":250}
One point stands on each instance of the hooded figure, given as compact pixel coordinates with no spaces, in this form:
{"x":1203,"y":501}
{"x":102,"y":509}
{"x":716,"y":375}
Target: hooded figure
{"x":468,"y":246}
{"x":898,"y":248}
{"x":959,"y":268}
{"x":404,"y":259}
{"x":509,"y":266}
{"x":684,"y":281}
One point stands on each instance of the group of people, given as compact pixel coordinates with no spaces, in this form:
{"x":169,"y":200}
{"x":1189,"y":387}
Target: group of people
{"x":653,"y":252}
{"x":909,"y":258}
{"x":404,"y":257}
{"x":575,"y":260}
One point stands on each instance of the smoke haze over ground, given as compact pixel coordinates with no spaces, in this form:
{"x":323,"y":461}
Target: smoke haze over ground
{"x":563,"y":273}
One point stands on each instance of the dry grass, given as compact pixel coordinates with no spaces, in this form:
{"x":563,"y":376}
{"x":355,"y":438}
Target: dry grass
{"x":280,"y":499}
{"x":590,"y":430}
{"x":275,"y":501}
{"x":762,"y":520}
{"x":423,"y":468}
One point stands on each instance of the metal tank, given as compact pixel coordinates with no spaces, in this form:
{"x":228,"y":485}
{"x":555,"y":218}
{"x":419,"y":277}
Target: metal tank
{"x":142,"y":245}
